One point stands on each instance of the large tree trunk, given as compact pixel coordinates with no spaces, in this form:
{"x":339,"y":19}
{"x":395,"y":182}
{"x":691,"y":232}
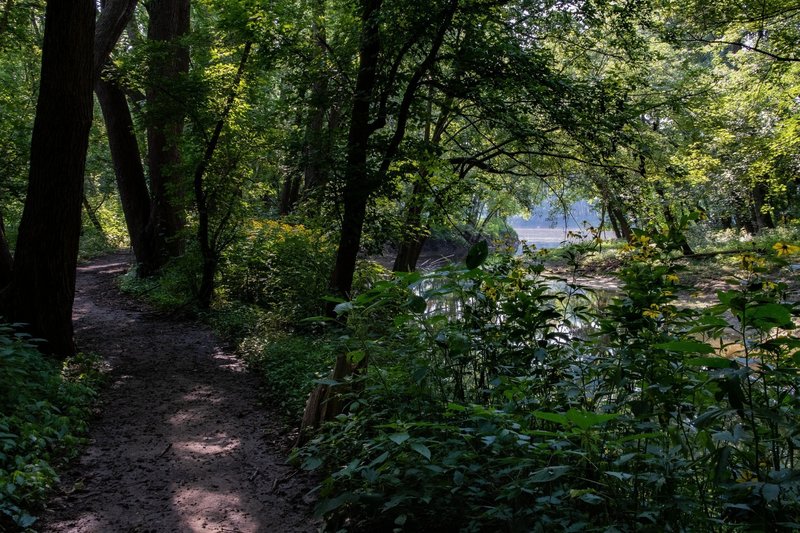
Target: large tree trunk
{"x":42,"y":288}
{"x":169,"y":21}
{"x":122,"y":142}
{"x":125,"y":155}
{"x":358,"y":187}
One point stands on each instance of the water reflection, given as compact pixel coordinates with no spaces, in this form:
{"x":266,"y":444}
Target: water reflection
{"x":575,"y":306}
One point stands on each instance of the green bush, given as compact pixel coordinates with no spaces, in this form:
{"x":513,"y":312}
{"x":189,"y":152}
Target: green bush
{"x":499,"y":399}
{"x":283,"y":268}
{"x":44,"y":413}
{"x":290,"y":366}
{"x":173,"y":288}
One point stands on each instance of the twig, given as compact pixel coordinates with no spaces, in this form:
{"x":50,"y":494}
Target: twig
{"x":279,"y":480}
{"x":254,"y":474}
{"x":168,"y":448}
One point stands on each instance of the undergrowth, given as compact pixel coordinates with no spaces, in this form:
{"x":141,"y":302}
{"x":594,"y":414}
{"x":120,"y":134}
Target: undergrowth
{"x":44,"y":413}
{"x":498,"y":399}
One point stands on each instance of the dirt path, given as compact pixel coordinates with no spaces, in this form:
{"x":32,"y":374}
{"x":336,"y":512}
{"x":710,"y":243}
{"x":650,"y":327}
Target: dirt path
{"x":182,"y":443}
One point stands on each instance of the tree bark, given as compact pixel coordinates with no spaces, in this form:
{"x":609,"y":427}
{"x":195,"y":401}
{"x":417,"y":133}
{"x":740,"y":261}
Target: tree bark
{"x":316,"y":149}
{"x":123,"y":145}
{"x":408,"y":253}
{"x":92,"y":214}
{"x":112,"y":21}
{"x":360,"y":183}
{"x":763,"y":218}
{"x":169,"y":21}
{"x":6,"y":14}
{"x":614,"y":224}
{"x":290,"y":194}
{"x":622,"y":222}
{"x":358,"y":187}
{"x":324,"y":404}
{"x":128,"y":169}
{"x":42,"y":288}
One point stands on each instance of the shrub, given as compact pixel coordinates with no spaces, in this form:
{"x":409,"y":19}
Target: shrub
{"x":290,"y":366}
{"x":44,"y":413}
{"x":498,"y":399}
{"x":280,"y":267}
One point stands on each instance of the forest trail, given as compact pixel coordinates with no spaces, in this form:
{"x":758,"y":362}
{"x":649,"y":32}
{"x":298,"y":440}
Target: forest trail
{"x":181,"y":443}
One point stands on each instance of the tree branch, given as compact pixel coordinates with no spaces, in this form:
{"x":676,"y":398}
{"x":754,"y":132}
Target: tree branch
{"x":776,"y":57}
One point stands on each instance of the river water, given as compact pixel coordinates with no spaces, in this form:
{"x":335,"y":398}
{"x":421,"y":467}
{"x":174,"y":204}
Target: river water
{"x":549,"y":237}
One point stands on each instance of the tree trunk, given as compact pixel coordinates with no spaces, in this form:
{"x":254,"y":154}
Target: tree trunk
{"x":92,"y":214}
{"x":125,"y":155}
{"x":671,"y":222}
{"x":763,"y":218}
{"x":324,"y":404}
{"x":114,"y":16}
{"x":408,"y":253}
{"x":169,"y":21}
{"x":123,"y":145}
{"x":614,"y":224}
{"x":414,"y":236}
{"x":42,"y":288}
{"x":359,"y":183}
{"x":624,"y":226}
{"x":209,"y":248}
{"x":4,"y":18}
{"x":358,"y":187}
{"x":290,"y":194}
{"x":315,"y":152}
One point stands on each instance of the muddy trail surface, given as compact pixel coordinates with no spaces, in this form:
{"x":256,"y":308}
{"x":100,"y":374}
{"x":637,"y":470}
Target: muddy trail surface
{"x":181,"y":442}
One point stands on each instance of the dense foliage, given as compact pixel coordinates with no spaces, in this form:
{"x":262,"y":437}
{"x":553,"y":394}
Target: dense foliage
{"x":43,"y":418}
{"x":252,"y":154}
{"x":498,"y":398}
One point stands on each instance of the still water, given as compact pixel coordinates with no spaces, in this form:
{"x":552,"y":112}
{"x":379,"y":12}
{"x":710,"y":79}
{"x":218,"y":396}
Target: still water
{"x":549,"y":237}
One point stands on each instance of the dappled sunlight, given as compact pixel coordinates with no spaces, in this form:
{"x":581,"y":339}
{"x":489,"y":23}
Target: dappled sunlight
{"x":106,"y":268}
{"x":213,"y":511}
{"x":211,"y":445}
{"x":227,"y":361}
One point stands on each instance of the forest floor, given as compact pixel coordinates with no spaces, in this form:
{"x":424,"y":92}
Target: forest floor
{"x":181,"y":441}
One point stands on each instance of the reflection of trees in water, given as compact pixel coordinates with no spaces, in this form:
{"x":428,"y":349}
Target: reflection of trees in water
{"x":551,"y":237}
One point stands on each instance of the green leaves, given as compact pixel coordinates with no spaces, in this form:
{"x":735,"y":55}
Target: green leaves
{"x":576,"y":417}
{"x":497,"y":394}
{"x":42,"y":417}
{"x":421,"y":449}
{"x":399,"y":438}
{"x":477,"y":255}
{"x":685,"y":346}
